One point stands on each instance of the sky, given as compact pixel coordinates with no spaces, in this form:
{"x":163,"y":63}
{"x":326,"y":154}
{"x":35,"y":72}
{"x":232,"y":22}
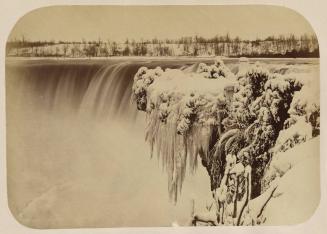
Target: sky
{"x":74,"y":23}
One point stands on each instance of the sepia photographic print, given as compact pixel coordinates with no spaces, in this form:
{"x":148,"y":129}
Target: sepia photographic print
{"x":160,"y":116}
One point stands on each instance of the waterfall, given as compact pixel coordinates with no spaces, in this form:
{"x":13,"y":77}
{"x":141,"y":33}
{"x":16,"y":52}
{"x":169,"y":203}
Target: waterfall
{"x":100,"y":91}
{"x":109,"y":91}
{"x":73,"y":135}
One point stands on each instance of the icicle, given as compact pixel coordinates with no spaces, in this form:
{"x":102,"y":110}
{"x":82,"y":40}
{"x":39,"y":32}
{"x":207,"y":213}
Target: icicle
{"x":183,"y":109}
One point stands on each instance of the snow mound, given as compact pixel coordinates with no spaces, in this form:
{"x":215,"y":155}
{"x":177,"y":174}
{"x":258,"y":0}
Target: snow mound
{"x":298,"y":192}
{"x":283,"y":161}
{"x":298,"y":133}
{"x":178,"y":83}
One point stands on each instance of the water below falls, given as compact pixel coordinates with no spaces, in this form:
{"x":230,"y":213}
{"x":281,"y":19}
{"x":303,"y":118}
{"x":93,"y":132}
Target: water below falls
{"x":76,"y":150}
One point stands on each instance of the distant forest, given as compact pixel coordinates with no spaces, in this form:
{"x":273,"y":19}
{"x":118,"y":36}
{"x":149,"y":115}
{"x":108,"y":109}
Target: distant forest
{"x":271,"y":47}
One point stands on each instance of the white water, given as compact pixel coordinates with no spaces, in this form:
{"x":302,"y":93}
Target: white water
{"x":77,"y":155}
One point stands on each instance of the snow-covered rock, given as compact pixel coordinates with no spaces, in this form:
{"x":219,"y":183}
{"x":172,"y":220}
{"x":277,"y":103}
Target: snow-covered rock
{"x":298,"y":192}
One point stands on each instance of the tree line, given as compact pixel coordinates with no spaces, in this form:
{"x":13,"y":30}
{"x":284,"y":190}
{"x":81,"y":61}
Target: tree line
{"x":272,"y":46}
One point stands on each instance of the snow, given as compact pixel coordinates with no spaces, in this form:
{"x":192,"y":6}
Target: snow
{"x":215,"y":71}
{"x":297,"y":133}
{"x":293,"y":193}
{"x":243,"y":59}
{"x":305,"y":101}
{"x":279,"y":84}
{"x":175,"y":81}
{"x":284,"y":161}
{"x":298,"y":192}
{"x":182,"y":108}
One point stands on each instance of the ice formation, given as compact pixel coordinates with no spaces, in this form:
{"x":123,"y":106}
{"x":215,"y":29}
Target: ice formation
{"x":234,"y":123}
{"x":183,"y":112}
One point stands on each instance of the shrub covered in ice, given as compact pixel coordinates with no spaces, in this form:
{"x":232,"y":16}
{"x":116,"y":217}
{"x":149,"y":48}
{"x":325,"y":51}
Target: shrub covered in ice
{"x":275,"y":101}
{"x":142,"y":80}
{"x":306,"y":103}
{"x":215,"y":71}
{"x":201,"y":110}
{"x":251,"y":86}
{"x":259,"y":110}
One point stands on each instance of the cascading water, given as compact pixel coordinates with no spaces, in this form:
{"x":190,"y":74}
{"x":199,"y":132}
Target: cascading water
{"x":72,"y":129}
{"x":101,"y":91}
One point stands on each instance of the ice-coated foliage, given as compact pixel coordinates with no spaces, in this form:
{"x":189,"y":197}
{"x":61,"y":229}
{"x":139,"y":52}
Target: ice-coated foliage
{"x":306,"y":103}
{"x":259,"y":110}
{"x":250,"y":86}
{"x":192,"y":114}
{"x":215,"y":71}
{"x":142,"y":79}
{"x":184,"y":115}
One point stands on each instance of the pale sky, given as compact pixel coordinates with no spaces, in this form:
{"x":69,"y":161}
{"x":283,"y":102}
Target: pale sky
{"x":121,"y":22}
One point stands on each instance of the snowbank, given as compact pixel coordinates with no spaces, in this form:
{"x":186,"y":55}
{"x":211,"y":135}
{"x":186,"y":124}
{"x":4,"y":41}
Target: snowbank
{"x":298,"y":192}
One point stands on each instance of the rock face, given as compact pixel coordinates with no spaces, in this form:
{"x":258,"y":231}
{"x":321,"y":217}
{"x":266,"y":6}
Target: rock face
{"x":232,"y":122}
